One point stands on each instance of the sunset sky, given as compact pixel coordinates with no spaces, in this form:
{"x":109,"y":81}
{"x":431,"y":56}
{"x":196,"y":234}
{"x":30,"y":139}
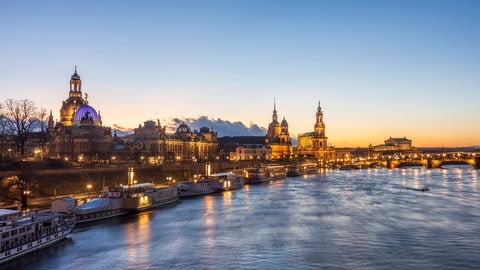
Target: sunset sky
{"x":378,"y":68}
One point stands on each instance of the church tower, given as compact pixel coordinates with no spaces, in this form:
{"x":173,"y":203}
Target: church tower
{"x":74,"y":100}
{"x":75,"y":85}
{"x":314,"y":144}
{"x":278,"y":137}
{"x":319,"y":125}
{"x":284,"y":135}
{"x":51,"y":123}
{"x":274,"y":128}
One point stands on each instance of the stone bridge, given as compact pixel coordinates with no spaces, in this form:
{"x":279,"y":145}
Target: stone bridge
{"x":429,"y":163}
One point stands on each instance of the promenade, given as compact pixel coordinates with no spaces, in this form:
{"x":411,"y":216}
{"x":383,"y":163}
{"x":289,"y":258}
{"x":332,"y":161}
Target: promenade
{"x":83,"y":182}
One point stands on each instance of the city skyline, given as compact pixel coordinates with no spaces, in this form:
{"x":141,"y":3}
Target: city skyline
{"x":378,"y":69}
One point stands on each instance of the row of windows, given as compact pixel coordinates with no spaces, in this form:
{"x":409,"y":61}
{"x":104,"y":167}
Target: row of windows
{"x":15,"y":232}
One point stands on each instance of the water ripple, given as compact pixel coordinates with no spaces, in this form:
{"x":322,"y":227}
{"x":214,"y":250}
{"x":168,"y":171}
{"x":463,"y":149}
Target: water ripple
{"x":365,"y":219}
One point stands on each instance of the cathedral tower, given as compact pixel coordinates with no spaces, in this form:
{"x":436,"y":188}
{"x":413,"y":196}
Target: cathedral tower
{"x":75,"y":85}
{"x":314,"y":144}
{"x":278,"y":137}
{"x":74,"y":100}
{"x":319,"y":125}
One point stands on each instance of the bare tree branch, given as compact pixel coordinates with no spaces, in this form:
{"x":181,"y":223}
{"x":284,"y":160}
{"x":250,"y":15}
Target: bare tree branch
{"x":22,"y":118}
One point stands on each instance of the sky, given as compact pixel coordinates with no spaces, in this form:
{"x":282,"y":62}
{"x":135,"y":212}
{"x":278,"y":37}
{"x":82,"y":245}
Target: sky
{"x":378,"y":68}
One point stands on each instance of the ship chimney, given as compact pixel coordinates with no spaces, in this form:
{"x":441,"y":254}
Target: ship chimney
{"x":130,"y":176}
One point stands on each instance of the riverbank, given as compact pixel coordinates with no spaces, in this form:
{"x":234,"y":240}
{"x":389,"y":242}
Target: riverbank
{"x":82,"y":182}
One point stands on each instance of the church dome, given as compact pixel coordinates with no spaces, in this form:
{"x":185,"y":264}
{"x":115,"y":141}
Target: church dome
{"x":284,"y":122}
{"x":183,"y":128}
{"x":86,"y":112}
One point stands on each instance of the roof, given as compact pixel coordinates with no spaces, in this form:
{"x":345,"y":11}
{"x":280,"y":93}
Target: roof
{"x":404,"y":139}
{"x":66,"y":199}
{"x":94,"y":205}
{"x":86,"y":112}
{"x":242,"y":139}
{"x":4,"y":212}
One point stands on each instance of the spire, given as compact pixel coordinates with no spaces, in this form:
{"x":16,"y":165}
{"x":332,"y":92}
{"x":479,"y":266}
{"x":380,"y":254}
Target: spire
{"x":319,"y":125}
{"x":274,"y":115}
{"x":50,"y":120}
{"x":75,"y":75}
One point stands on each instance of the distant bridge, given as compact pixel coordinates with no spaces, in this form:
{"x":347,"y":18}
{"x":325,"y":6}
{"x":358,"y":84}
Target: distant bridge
{"x":429,"y":163}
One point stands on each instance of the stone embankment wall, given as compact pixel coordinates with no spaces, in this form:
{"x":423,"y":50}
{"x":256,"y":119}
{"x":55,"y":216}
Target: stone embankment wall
{"x":81,"y":180}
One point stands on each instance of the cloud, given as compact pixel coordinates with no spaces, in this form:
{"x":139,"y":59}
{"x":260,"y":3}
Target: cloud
{"x":122,"y":131}
{"x":120,"y":128}
{"x":222,"y":127}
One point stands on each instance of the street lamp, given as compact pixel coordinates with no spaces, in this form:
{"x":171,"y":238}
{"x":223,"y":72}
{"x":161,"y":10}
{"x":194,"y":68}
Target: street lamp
{"x":89,"y":187}
{"x":25,"y":194}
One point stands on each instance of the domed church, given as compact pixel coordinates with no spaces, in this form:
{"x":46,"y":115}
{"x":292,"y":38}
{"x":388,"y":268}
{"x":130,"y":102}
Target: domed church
{"x":79,"y":134}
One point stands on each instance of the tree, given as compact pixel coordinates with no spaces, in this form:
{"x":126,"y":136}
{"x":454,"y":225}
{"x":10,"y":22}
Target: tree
{"x":18,"y":187}
{"x":3,"y":135}
{"x":23,"y":119}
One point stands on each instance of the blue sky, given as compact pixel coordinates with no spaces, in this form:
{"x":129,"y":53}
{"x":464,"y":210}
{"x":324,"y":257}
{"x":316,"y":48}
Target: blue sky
{"x":379,"y":68}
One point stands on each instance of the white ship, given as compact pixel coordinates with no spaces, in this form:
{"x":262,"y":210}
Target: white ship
{"x":226,"y":181}
{"x":302,"y":169}
{"x":266,"y":173}
{"x":22,"y":234}
{"x":121,"y":200}
{"x":146,"y":196}
{"x":215,"y":182}
{"x":110,"y":204}
{"x":196,"y":187}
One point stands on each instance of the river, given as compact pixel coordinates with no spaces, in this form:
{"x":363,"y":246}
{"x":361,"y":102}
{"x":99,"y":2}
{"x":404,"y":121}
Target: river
{"x":361,"y":219}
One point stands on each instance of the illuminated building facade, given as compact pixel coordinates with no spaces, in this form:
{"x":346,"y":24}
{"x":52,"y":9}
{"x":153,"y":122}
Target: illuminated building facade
{"x":151,"y":144}
{"x":394,"y":146}
{"x":79,"y":135}
{"x":188,"y":145}
{"x":278,"y":137}
{"x":251,"y":152}
{"x":314,"y":144}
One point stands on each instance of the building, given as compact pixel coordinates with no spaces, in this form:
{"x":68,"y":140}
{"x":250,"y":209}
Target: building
{"x":251,"y":152}
{"x":191,"y":146}
{"x":79,"y":134}
{"x":394,"y":146}
{"x":278,"y":137}
{"x":243,"y":148}
{"x":151,"y":144}
{"x":314,"y":144}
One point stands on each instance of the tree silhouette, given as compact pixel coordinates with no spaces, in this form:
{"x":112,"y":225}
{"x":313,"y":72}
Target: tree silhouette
{"x":23,"y":184}
{"x":22,"y":119}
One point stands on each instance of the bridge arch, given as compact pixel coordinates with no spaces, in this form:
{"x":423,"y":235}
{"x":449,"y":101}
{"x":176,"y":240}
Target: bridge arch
{"x":457,"y":162}
{"x":411,"y":163}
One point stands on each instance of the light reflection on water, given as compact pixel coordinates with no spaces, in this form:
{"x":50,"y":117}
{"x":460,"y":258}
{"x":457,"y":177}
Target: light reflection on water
{"x":362,"y":219}
{"x":137,"y":239}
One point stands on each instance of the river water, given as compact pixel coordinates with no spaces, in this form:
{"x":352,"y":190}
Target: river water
{"x":361,"y":219}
